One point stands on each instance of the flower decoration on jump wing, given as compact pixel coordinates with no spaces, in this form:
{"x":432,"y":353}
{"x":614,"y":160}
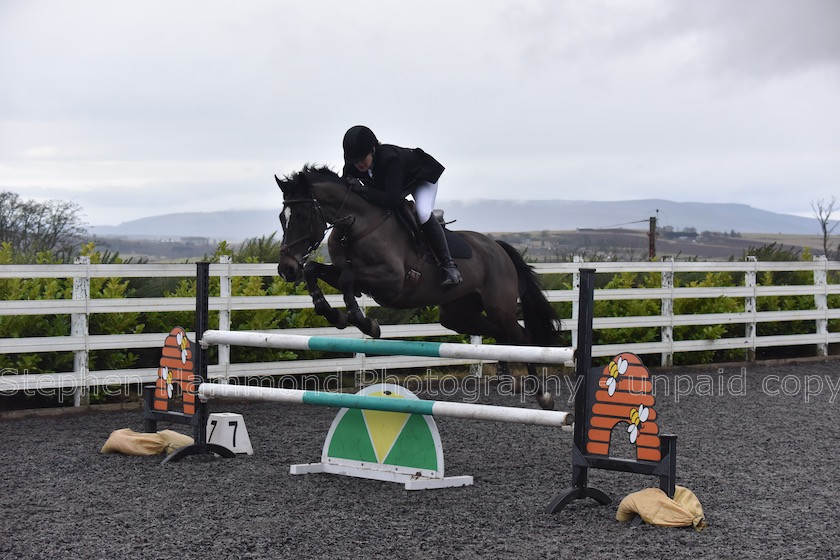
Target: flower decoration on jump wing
{"x":637,"y":418}
{"x":617,"y":367}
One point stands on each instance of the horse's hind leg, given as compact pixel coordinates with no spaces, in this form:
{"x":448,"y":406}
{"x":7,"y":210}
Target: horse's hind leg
{"x":312,"y":271}
{"x":544,"y":397}
{"x":465,"y":316}
{"x":511,"y":332}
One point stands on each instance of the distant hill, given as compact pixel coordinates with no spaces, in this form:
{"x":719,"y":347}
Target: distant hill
{"x":507,"y":215}
{"x":230,"y":225}
{"x":494,"y":216}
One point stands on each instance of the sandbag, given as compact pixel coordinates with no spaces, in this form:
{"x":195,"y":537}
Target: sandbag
{"x":129,"y":442}
{"x":656,"y":508}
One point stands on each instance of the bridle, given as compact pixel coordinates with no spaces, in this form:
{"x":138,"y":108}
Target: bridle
{"x":312,"y":237}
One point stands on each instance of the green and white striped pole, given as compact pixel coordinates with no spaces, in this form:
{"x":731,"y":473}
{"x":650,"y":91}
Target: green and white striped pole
{"x":498,"y":352}
{"x":468,"y":411}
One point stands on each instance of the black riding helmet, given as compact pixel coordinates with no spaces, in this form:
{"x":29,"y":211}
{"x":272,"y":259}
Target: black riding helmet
{"x":358,"y":142}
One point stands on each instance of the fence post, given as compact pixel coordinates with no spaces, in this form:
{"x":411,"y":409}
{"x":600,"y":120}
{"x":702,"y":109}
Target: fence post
{"x":476,"y":370}
{"x":750,"y":307}
{"x":224,"y":313}
{"x":576,"y":300}
{"x":667,"y":331}
{"x":79,"y":327}
{"x":821,"y":301}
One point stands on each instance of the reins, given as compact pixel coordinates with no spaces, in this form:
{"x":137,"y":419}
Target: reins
{"x":373,"y":227}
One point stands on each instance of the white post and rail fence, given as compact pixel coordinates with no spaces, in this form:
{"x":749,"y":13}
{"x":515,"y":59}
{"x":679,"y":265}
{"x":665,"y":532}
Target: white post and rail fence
{"x":81,"y":307}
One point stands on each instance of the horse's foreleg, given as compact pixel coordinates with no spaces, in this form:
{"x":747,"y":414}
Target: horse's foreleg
{"x":312,"y":271}
{"x":355,"y":315}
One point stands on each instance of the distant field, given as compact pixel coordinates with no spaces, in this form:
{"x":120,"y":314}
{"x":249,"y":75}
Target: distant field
{"x":813,"y":241}
{"x":173,"y":250}
{"x":623,"y":244}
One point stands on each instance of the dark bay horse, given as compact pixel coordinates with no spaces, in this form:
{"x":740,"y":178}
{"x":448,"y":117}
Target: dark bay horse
{"x":372,"y":252}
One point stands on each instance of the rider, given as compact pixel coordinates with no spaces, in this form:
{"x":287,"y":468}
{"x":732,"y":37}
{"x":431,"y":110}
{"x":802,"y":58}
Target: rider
{"x":394,"y":173}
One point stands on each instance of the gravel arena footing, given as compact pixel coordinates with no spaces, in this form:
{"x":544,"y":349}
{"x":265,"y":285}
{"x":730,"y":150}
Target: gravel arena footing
{"x":758,"y":446}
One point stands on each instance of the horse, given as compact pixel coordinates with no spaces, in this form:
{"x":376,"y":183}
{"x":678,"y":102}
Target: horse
{"x":373,"y":253}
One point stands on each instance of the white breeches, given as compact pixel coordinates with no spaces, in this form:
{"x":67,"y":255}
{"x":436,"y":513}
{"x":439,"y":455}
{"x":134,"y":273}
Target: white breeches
{"x":424,"y":195}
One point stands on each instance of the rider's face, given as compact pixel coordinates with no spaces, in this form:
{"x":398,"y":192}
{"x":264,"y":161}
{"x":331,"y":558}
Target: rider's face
{"x":364,"y":164}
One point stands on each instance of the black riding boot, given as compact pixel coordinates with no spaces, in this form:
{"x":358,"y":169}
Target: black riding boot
{"x":437,"y":241}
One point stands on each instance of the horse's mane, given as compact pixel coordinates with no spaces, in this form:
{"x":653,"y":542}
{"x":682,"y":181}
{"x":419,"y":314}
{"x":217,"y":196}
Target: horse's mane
{"x":312,"y":173}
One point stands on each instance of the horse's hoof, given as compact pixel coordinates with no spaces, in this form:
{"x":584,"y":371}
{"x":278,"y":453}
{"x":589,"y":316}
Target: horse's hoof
{"x":373,"y":329}
{"x":546,"y":401}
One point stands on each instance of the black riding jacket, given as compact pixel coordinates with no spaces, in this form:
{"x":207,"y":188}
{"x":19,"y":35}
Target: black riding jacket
{"x":395,"y":172}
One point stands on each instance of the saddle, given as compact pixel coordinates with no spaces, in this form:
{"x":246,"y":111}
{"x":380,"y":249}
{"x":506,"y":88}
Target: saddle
{"x":407,"y":217}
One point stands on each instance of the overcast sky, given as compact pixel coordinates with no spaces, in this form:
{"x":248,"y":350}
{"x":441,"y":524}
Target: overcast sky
{"x":137,"y":108}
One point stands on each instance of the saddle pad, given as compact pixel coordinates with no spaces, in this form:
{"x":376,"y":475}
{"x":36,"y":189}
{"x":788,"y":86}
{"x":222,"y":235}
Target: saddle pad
{"x":458,"y":246}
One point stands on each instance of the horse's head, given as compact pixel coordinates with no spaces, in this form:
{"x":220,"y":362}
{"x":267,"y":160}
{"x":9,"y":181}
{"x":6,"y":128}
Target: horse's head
{"x":303,"y":224}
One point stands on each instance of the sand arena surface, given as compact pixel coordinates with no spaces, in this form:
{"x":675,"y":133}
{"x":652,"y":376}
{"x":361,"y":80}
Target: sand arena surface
{"x":762,"y":461}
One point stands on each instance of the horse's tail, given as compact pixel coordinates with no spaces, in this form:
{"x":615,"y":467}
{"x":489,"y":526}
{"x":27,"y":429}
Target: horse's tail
{"x":541,"y":321}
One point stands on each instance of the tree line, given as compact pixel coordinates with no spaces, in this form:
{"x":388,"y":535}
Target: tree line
{"x":33,"y":227}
